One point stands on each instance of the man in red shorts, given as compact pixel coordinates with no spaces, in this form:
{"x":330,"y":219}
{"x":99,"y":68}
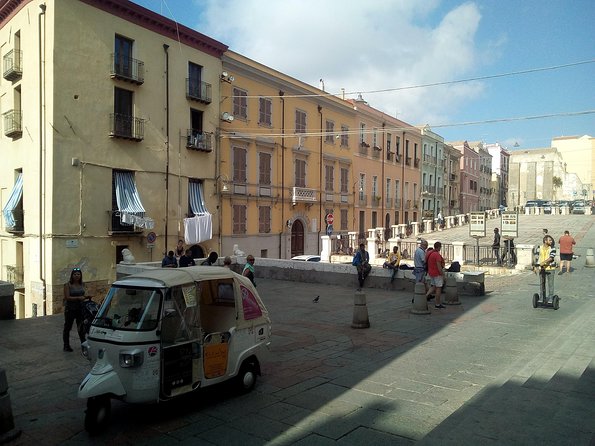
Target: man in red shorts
{"x":435,"y":263}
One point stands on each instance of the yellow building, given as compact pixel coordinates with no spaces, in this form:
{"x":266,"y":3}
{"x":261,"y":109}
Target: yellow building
{"x":286,"y":162}
{"x":388,"y":163}
{"x":109,"y":113}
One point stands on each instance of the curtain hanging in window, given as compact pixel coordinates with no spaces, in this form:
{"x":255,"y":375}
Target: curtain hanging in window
{"x":196,"y":198}
{"x":13,"y":201}
{"x":130,"y":207}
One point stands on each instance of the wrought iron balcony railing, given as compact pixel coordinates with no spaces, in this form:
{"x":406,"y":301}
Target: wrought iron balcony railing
{"x":116,"y":226}
{"x":198,"y":91}
{"x":16,"y":276}
{"x":13,"y":68}
{"x":13,"y":123}
{"x":197,"y":140}
{"x":128,"y":69}
{"x":127,"y":127}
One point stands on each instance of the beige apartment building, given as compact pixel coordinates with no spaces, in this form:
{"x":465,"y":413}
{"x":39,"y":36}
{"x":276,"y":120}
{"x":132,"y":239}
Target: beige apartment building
{"x":109,"y":113}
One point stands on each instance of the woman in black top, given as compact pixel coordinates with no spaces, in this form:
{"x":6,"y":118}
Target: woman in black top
{"x":74,"y":295}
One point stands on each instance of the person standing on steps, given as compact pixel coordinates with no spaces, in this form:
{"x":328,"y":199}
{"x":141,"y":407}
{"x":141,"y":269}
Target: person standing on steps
{"x":74,"y":295}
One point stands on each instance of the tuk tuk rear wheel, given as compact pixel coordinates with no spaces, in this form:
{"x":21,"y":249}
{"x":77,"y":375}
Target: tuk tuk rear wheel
{"x":97,"y":414}
{"x":246,"y":379}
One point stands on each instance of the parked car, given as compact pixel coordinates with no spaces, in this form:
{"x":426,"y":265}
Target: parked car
{"x":534,"y":203}
{"x":547,"y":207}
{"x":578,"y":207}
{"x":307,"y":258}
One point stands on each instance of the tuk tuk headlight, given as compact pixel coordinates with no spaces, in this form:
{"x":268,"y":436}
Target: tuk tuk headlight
{"x":85,"y":350}
{"x":131,"y":359}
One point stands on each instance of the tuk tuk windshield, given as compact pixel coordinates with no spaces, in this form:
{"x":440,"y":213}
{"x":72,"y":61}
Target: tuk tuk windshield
{"x":135,"y":309}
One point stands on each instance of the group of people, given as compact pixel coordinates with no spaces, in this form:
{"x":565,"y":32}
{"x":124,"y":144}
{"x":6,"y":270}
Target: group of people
{"x":183,"y":257}
{"x":427,"y":261}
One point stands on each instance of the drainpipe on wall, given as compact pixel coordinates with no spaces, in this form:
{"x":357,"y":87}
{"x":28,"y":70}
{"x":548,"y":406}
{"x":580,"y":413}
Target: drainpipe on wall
{"x":41,"y":166}
{"x":281,"y":93}
{"x":320,"y":176}
{"x":165,"y":48}
{"x":403,"y":179}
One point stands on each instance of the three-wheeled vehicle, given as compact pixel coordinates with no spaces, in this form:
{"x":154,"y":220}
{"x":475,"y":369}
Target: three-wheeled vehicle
{"x":166,"y":332}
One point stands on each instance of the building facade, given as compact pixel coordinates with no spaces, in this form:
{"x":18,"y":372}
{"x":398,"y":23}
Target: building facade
{"x":432,"y":174}
{"x":578,"y":153}
{"x":108,"y":122}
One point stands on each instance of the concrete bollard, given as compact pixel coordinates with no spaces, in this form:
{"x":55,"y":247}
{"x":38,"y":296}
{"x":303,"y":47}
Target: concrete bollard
{"x":360,"y":311}
{"x":590,"y":259}
{"x":7,"y":429}
{"x":451,"y":292}
{"x":420,"y":301}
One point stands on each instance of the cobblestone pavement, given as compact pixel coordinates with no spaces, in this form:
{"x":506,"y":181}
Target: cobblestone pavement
{"x":492,"y":370}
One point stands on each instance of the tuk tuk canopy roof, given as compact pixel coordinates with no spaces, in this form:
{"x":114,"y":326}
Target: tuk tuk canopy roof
{"x":171,"y":277}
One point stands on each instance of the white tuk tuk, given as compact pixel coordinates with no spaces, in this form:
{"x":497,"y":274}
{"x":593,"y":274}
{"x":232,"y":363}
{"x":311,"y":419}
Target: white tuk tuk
{"x":167,"y":332}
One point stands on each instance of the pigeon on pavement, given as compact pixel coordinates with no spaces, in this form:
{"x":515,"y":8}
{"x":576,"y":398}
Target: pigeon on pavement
{"x":316,"y":299}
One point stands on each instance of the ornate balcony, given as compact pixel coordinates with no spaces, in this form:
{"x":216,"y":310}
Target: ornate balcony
{"x":128,"y":69}
{"x":13,"y":69}
{"x":416,"y":162}
{"x":302,"y":194}
{"x":198,"y":91}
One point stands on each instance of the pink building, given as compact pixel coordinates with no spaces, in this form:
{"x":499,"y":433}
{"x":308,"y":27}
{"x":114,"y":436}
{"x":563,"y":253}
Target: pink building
{"x":469,"y":190}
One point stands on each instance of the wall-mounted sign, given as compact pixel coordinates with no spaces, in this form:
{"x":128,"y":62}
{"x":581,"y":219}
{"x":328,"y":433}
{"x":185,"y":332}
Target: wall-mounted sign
{"x":477,"y":224}
{"x":151,"y":237}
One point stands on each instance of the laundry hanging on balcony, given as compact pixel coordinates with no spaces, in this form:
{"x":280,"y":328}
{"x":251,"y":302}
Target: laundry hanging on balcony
{"x":200,"y":227}
{"x":13,"y":201}
{"x":130,"y":208}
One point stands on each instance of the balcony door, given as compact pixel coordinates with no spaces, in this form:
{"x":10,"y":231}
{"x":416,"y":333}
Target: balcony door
{"x":123,"y":56}
{"x":123,"y":111}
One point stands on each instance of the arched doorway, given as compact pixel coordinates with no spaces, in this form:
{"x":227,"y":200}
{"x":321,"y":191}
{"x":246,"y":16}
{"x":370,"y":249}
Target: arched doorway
{"x":297,"y":238}
{"x":197,"y":252}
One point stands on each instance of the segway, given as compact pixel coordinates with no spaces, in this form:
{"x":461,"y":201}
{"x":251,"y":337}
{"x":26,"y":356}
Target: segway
{"x":542,"y":301}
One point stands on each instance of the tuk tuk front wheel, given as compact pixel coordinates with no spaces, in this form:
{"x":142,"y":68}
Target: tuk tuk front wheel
{"x":246,"y":379}
{"x":97,"y":414}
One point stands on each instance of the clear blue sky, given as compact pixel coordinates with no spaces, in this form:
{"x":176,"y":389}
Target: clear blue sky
{"x":383,"y":44}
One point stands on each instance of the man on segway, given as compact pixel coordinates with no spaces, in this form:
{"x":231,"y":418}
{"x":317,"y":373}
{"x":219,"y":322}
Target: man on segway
{"x":546,"y":267}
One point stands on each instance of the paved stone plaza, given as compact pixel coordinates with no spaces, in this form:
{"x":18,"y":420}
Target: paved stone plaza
{"x":492,"y":370}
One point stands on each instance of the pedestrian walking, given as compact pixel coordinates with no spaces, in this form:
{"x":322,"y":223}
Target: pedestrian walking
{"x":496,"y":246}
{"x":566,"y":243}
{"x":361,"y":261}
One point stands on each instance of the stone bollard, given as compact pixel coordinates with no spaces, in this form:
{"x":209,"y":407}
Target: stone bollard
{"x":451,"y":292}
{"x":7,"y":429}
{"x":360,"y":311}
{"x":420,"y":301}
{"x":590,"y":259}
